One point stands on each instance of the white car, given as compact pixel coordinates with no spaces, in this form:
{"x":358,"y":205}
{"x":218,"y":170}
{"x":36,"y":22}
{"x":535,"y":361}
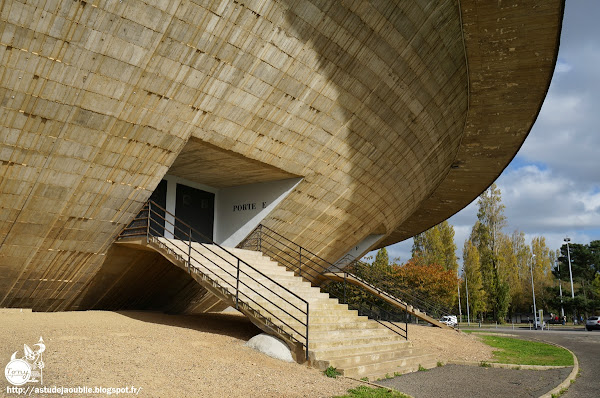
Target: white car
{"x":450,"y":320}
{"x":539,"y":324}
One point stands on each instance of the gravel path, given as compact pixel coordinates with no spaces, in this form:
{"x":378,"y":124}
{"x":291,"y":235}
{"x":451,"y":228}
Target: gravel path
{"x":473,"y":381}
{"x":165,"y":355}
{"x":184,"y":356}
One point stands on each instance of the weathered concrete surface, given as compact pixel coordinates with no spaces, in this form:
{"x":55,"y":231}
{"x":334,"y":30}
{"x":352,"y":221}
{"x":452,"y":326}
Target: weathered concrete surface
{"x":396,"y":114}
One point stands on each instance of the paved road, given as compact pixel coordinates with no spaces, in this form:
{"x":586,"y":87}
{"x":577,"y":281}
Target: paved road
{"x":586,"y":346}
{"x":468,"y":381}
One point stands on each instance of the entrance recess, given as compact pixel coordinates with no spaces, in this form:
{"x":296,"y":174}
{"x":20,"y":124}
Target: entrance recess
{"x":197,"y":207}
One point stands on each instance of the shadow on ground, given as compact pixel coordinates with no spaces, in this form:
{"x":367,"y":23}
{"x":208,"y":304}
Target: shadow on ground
{"x":233,"y":325}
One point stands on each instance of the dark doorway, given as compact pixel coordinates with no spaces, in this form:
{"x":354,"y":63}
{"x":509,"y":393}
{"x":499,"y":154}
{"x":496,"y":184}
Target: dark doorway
{"x":195,"y":208}
{"x":159,"y":196}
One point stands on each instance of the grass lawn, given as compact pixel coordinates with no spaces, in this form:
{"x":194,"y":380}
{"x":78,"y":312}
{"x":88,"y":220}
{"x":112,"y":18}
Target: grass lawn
{"x":524,"y":352}
{"x":369,"y":392}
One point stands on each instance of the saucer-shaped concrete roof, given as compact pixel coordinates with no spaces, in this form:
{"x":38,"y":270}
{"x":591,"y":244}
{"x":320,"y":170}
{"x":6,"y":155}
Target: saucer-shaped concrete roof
{"x":395,"y":115}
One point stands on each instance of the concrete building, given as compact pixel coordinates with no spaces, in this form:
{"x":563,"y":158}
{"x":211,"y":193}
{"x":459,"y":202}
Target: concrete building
{"x":344,"y":126}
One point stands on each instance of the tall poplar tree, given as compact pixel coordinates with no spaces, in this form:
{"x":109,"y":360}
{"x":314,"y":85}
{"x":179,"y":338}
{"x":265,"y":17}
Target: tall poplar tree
{"x":472,"y":280}
{"x":436,"y":246}
{"x":486,"y":235}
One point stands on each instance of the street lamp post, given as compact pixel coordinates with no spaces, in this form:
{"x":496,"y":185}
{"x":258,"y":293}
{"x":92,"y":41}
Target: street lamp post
{"x":533,"y":291}
{"x":467,"y":289}
{"x":562,"y":309}
{"x":567,"y":239}
{"x":458,"y":284}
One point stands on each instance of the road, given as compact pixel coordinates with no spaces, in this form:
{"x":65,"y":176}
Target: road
{"x":585,"y":345}
{"x":468,"y":381}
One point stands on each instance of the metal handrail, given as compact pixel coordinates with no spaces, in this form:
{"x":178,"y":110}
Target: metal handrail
{"x":320,"y":266}
{"x":142,"y":226}
{"x":302,"y":261}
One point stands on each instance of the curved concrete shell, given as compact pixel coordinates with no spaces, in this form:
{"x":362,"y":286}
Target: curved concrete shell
{"x":392,"y":115}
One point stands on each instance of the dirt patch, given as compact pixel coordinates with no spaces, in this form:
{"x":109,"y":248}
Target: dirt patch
{"x":183,"y":356}
{"x":166,"y":355}
{"x":449,"y":345}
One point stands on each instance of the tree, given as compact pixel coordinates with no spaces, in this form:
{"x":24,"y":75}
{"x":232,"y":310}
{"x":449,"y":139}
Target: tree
{"x":436,"y":246}
{"x":486,"y":235}
{"x":518,"y":276}
{"x":585,"y":264}
{"x":472,"y":278}
{"x":542,"y":271}
{"x":430,"y":282}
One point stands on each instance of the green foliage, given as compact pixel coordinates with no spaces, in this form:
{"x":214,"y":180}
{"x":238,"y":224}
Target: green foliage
{"x":439,"y":364}
{"x":585,"y":266}
{"x":422,"y":369}
{"x":472,"y":280}
{"x":484,"y":364}
{"x":436,"y":246}
{"x":369,"y":392}
{"x":382,"y":260}
{"x":524,"y":352}
{"x":486,"y":236}
{"x":331,"y":372}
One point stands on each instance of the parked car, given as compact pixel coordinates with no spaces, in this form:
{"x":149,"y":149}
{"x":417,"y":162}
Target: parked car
{"x":450,"y":320}
{"x":539,"y":324}
{"x":592,"y":323}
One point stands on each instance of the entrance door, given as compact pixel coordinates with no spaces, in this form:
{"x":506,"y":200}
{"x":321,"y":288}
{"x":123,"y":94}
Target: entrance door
{"x":196,"y":208}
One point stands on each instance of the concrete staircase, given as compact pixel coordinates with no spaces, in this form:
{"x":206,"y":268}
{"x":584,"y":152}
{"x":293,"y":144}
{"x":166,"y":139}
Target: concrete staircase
{"x":355,"y":345}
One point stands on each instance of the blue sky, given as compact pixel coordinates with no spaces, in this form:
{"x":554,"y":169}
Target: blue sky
{"x":552,"y":187}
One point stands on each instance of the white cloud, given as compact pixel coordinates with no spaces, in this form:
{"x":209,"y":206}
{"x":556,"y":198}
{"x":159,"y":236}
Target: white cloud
{"x":562,"y":67}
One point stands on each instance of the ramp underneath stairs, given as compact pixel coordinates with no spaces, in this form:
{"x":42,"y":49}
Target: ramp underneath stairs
{"x":287,"y":306}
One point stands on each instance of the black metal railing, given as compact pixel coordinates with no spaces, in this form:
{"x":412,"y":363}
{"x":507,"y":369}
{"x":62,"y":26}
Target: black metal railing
{"x":245,"y":284}
{"x":391,"y":291}
{"x":315,"y":269}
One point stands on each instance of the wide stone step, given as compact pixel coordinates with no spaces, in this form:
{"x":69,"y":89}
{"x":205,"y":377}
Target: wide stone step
{"x":374,"y":357}
{"x":347,"y":333}
{"x":352,"y":341}
{"x":380,"y":370}
{"x":335,"y":326}
{"x":324,"y":354}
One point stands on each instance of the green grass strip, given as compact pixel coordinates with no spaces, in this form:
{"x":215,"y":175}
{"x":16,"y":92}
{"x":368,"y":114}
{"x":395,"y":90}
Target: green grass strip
{"x":524,"y":352}
{"x":369,"y":392}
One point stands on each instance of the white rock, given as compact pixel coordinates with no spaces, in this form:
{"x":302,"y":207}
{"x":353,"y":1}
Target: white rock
{"x":272,"y":346}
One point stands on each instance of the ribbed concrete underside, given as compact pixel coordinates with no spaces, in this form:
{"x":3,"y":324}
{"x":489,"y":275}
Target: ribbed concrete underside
{"x":368,"y":102}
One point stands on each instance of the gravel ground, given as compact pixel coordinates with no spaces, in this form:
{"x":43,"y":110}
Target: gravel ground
{"x":448,"y":344}
{"x":166,"y":355}
{"x":473,"y":381}
{"x":183,"y":356}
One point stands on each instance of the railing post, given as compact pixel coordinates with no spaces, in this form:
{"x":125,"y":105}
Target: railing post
{"x":148,"y":223}
{"x":345,"y":301}
{"x":259,"y":240}
{"x":307,"y":330}
{"x":406,"y":320}
{"x":237,"y":285}
{"x":190,"y":252}
{"x":300,"y":262}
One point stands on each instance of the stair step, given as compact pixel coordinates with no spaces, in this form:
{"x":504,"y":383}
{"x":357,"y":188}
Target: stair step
{"x":354,"y":344}
{"x":401,"y":365}
{"x":337,"y":352}
{"x":352,"y":341}
{"x":374,"y":357}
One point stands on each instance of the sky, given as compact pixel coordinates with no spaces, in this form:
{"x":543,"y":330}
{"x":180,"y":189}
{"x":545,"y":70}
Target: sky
{"x":552,"y":187}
